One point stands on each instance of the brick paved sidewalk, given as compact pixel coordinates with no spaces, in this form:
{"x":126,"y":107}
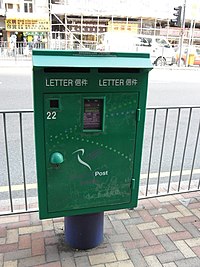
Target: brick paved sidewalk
{"x":162,"y":231}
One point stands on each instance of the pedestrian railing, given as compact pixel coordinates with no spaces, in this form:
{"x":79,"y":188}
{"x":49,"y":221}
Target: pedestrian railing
{"x":23,"y":51}
{"x":170,"y":162}
{"x":171,"y":151}
{"x":17,"y":164}
{"x":19,"y":50}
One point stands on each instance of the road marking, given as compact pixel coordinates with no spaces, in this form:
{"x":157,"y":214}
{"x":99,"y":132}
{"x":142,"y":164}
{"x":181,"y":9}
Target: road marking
{"x":167,"y":174}
{"x":20,"y":187}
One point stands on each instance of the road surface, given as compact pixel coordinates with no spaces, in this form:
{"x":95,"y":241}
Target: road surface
{"x":166,"y":88}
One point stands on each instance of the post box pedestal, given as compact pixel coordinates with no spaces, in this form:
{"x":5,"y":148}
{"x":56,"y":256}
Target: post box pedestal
{"x":84,"y":231}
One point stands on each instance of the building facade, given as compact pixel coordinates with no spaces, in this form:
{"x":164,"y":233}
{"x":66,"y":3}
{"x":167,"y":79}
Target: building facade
{"x":24,"y":20}
{"x":74,"y":24}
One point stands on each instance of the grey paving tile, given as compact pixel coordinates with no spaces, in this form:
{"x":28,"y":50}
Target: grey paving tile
{"x":191,"y":262}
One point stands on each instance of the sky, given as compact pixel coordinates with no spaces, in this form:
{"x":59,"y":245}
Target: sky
{"x":192,"y":7}
{"x":165,"y":8}
{"x":138,"y":8}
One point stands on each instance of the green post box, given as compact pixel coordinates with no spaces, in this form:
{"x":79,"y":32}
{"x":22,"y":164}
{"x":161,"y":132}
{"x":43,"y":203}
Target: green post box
{"x":89,"y":110}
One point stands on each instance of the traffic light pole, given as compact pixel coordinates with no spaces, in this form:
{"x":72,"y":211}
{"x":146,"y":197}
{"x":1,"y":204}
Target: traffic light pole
{"x":182,"y":33}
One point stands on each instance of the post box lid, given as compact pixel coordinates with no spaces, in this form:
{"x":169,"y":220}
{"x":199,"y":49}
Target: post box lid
{"x":90,"y":59}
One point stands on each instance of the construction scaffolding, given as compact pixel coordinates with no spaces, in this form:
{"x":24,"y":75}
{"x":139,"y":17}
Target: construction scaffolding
{"x":75,"y":30}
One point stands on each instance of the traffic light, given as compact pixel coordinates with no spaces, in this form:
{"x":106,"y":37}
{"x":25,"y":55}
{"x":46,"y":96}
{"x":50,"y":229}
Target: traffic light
{"x":177,"y":20}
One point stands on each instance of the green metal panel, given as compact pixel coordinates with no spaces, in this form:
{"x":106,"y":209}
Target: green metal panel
{"x":98,"y":166}
{"x":89,"y":124}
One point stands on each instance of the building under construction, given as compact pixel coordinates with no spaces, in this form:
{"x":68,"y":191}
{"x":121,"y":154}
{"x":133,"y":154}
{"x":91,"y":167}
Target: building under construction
{"x":82,"y":26}
{"x":68,"y":24}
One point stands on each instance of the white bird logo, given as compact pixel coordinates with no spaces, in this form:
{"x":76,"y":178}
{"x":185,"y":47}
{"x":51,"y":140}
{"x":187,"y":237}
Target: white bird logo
{"x":80,"y":160}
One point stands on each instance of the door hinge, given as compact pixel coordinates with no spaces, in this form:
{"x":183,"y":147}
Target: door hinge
{"x":132,"y":183}
{"x":138,"y":114}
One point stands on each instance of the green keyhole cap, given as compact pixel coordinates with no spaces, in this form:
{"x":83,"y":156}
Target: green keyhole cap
{"x":56,"y":158}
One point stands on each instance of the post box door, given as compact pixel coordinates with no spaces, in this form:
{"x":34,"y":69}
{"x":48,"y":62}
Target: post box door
{"x":90,"y":142}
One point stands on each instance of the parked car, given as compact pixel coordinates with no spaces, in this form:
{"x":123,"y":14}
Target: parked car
{"x":192,"y":55}
{"x":160,"y":50}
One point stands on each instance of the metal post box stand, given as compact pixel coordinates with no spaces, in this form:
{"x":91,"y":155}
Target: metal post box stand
{"x":89,"y":113}
{"x":84,"y":231}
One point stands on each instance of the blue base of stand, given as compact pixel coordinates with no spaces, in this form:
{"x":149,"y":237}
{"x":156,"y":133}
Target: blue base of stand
{"x":84,"y":231}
